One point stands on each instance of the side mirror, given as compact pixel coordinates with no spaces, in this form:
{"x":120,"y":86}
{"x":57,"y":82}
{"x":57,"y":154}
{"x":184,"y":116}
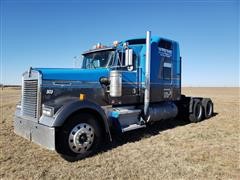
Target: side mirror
{"x":128,"y":57}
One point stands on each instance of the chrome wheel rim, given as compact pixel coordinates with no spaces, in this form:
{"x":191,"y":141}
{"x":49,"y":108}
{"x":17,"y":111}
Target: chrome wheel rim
{"x":81,"y":138}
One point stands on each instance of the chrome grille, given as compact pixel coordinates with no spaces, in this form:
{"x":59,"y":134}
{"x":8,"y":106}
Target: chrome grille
{"x":30,"y":98}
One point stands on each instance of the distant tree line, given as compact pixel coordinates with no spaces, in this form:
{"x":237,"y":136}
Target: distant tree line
{"x":6,"y":86}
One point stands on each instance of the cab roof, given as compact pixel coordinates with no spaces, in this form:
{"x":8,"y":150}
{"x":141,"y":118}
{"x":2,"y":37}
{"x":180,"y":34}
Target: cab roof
{"x":135,"y":41}
{"x":143,"y":40}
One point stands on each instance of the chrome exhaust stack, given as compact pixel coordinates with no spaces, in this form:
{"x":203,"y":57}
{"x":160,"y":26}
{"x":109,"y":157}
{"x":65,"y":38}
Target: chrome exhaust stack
{"x":147,"y":73}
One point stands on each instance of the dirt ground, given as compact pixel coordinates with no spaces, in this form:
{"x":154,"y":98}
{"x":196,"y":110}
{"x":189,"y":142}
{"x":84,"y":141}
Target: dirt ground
{"x":167,"y":150}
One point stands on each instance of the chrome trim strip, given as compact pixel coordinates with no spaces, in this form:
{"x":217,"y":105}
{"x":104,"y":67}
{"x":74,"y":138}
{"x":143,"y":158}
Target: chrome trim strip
{"x":62,"y":83}
{"x":77,"y":84}
{"x":21,"y":112}
{"x":39,"y":95}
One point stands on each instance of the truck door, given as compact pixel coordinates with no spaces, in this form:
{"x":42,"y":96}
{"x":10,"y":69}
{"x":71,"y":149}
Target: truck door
{"x":130,"y":84}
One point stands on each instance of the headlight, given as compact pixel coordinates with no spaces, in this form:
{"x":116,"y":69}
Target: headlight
{"x":47,"y":111}
{"x":19,"y":105}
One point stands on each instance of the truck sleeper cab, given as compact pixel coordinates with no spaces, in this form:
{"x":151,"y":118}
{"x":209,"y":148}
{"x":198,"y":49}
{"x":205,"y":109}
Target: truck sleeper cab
{"x":119,"y":88}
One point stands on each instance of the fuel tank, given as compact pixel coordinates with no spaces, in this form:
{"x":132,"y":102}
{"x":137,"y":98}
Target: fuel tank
{"x":162,"y":111}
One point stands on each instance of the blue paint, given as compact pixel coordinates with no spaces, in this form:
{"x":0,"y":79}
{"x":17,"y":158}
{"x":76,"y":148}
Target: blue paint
{"x":133,"y":79}
{"x":114,"y":114}
{"x":140,"y":50}
{"x":73,"y":74}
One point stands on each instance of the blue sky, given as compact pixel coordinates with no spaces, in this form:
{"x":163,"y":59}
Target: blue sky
{"x":50,"y":33}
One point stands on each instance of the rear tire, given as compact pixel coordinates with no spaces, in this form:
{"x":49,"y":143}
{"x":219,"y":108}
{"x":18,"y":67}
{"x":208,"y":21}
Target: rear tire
{"x":80,"y":137}
{"x":208,"y":107}
{"x":197,"y":111}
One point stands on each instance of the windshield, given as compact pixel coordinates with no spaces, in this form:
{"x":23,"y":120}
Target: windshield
{"x":100,"y":59}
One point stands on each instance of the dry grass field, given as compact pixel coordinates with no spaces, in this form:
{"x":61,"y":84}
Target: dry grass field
{"x":167,"y":150}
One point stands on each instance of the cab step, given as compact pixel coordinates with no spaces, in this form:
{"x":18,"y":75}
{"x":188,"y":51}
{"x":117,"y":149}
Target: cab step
{"x":127,"y":118}
{"x":132,"y":127}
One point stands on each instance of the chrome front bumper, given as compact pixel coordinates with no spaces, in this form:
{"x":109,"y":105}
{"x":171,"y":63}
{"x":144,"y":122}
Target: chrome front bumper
{"x":35,"y":132}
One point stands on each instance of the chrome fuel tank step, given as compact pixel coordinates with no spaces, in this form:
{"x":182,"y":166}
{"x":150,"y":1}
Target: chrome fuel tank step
{"x":133,"y":127}
{"x":127,"y":118}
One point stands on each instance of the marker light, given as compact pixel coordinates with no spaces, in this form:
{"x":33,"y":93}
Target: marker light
{"x":82,"y":97}
{"x":115,"y":43}
{"x":98,"y":45}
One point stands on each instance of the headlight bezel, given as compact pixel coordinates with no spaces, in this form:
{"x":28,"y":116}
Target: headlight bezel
{"x":47,"y":110}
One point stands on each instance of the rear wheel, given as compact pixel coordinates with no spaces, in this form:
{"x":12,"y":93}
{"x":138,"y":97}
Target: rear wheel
{"x":197,"y":111}
{"x":80,"y":137}
{"x":208,"y":107}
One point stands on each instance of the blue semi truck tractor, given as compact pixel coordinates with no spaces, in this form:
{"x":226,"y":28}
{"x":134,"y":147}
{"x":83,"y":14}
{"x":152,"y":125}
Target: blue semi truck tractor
{"x":118,"y":88}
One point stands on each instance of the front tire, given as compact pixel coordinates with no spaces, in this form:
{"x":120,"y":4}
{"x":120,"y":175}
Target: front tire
{"x":80,"y":137}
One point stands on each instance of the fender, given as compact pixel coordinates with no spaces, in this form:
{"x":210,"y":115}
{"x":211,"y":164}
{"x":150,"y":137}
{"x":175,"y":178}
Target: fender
{"x":75,"y":105}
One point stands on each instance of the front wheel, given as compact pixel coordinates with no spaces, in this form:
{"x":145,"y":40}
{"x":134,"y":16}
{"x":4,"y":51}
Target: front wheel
{"x":80,"y":137}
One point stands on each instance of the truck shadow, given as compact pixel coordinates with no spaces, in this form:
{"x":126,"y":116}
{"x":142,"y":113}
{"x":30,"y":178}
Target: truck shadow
{"x":150,"y":130}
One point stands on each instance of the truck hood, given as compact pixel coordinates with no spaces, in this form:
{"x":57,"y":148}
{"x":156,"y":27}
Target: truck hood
{"x":72,"y":74}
